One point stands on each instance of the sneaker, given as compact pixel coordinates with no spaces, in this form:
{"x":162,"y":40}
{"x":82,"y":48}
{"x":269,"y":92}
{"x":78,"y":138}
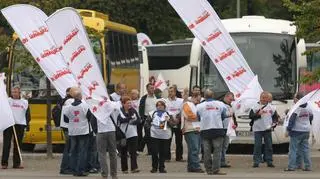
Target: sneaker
{"x":125,"y":172}
{"x":219,"y":172}
{"x":270,"y":165}
{"x":93,"y":170}
{"x":66,"y":172}
{"x":163,"y":171}
{"x":153,"y":170}
{"x":210,"y":172}
{"x":84,"y":174}
{"x":135,"y":171}
{"x":199,"y":170}
{"x":18,"y":167}
{"x":225,"y":166}
{"x":4,"y":166}
{"x":288,"y":170}
{"x":255,"y":165}
{"x":307,"y":169}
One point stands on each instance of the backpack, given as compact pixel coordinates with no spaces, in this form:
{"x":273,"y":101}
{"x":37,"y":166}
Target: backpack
{"x":56,"y":114}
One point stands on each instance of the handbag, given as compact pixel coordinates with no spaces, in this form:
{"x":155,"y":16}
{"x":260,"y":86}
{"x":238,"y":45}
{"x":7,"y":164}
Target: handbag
{"x":120,"y":135}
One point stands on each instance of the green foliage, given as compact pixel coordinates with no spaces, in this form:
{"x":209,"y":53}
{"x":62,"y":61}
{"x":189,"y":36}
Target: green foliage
{"x":307,"y":19}
{"x":284,"y":67}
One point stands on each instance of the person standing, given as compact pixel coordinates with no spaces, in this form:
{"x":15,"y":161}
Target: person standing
{"x":227,"y":100}
{"x":299,"y":131}
{"x":174,"y":106}
{"x":21,"y":114}
{"x":265,"y":118}
{"x":147,"y":104}
{"x":77,"y":116}
{"x":212,"y":113}
{"x":191,"y":131}
{"x":121,"y":89}
{"x":106,"y":142}
{"x":129,"y":119}
{"x":161,"y":133}
{"x":65,"y":167}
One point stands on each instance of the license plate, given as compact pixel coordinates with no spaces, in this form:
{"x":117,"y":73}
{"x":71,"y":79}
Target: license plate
{"x":244,"y":133}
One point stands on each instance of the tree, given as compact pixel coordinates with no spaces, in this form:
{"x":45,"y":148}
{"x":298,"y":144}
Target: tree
{"x":307,"y":20}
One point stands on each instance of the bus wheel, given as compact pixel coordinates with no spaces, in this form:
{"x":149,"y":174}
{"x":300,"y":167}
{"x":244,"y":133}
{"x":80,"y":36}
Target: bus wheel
{"x":28,"y":147}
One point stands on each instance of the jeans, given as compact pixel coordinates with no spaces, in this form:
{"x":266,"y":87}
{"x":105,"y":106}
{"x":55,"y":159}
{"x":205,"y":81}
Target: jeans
{"x":193,"y":143}
{"x":159,"y":149}
{"x":212,"y":162}
{"x":299,"y":161}
{"x":130,"y":146}
{"x":107,"y":141}
{"x":267,"y":137}
{"x":79,"y":153}
{"x":300,"y":141}
{"x":65,"y":162}
{"x":179,"y":149}
{"x":225,"y":146}
{"x":93,"y":162}
{"x":7,"y":138}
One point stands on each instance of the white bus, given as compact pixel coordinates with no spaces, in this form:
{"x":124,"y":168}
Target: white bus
{"x":269,"y":46}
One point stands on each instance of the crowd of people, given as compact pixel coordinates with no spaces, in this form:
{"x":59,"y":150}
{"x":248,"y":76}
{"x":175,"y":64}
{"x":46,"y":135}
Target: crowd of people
{"x":151,"y":122}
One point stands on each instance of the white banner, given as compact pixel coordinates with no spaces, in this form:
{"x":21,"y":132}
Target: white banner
{"x":160,"y":83}
{"x":29,"y":23}
{"x":206,"y":26}
{"x":143,"y":39}
{"x":6,"y":115}
{"x":67,"y":30}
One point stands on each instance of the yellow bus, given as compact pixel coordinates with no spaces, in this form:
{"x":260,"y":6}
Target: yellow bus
{"x":116,"y":50}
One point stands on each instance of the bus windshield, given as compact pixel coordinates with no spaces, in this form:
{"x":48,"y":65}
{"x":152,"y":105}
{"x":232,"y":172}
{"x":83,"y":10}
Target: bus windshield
{"x":271,"y":56}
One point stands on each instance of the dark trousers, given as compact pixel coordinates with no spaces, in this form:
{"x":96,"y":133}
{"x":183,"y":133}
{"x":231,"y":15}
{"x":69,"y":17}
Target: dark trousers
{"x":7,"y":138}
{"x":178,"y":138}
{"x":93,"y":161}
{"x":130,"y":146}
{"x":140,"y":137}
{"x":267,"y":137}
{"x":79,"y":153}
{"x":144,"y":140}
{"x":159,"y":149}
{"x":65,"y":162}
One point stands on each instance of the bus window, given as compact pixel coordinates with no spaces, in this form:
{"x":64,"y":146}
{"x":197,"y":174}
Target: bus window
{"x":313,"y":61}
{"x":164,"y":57}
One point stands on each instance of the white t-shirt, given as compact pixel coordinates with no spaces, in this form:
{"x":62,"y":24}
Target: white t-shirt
{"x":109,"y":126}
{"x":156,"y":131}
{"x":66,"y":103}
{"x":115,"y":96}
{"x":174,"y":107}
{"x":19,"y":108}
{"x":78,"y":122}
{"x":150,"y":105}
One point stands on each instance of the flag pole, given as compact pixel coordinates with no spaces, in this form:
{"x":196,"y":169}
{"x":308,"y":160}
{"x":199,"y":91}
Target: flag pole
{"x":18,"y":146}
